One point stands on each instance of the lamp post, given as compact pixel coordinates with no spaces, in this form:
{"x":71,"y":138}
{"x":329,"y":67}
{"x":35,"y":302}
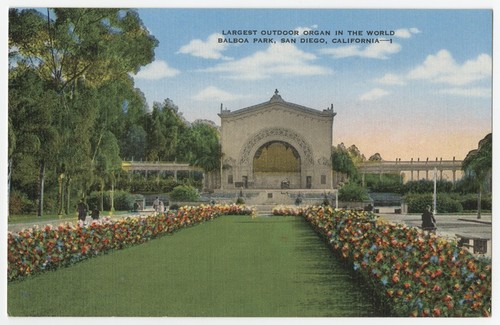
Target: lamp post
{"x":435,"y":193}
{"x":337,"y":199}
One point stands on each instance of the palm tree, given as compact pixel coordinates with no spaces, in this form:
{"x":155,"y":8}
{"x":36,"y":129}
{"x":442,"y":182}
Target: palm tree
{"x":478,"y":165}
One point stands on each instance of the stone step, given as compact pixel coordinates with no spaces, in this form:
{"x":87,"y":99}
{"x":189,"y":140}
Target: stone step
{"x":266,"y":209}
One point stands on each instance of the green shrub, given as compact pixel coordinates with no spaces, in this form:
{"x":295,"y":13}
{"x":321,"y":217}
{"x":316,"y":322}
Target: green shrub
{"x":123,"y":201}
{"x":240,"y":200}
{"x":418,"y":202}
{"x":19,"y":203}
{"x":447,"y":204}
{"x":427,"y":186}
{"x":469,"y":202}
{"x":352,"y":192}
{"x":385,"y":183}
{"x":184,"y":193}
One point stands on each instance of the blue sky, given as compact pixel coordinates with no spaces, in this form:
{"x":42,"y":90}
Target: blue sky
{"x":426,"y":94}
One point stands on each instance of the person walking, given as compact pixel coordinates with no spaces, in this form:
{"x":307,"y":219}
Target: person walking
{"x":428,"y":220}
{"x":82,"y":209}
{"x":156,"y":204}
{"x":95,"y":213}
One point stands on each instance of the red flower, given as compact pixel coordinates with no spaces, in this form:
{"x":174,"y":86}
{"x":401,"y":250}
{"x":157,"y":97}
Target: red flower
{"x":437,"y":273}
{"x":447,"y":298}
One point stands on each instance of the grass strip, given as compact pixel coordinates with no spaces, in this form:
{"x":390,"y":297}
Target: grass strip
{"x":232,"y":266}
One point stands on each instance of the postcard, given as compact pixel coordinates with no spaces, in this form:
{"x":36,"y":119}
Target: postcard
{"x":249,"y":161}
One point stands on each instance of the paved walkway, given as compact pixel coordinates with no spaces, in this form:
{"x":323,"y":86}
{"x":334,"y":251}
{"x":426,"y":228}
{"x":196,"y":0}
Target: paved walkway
{"x":14,"y":227}
{"x":467,"y":226}
{"x":449,"y":225}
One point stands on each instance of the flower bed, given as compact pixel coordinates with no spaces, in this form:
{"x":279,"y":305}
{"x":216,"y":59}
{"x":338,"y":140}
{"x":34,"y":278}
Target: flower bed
{"x":413,"y":274}
{"x":288,"y":210}
{"x":35,"y":250}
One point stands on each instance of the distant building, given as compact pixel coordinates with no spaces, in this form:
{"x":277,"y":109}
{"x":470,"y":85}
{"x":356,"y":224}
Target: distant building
{"x":276,"y":144}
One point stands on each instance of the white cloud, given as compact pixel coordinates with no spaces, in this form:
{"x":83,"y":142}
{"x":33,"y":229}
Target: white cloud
{"x":157,"y":70}
{"x":442,"y":68}
{"x":209,"y":49}
{"x":374,"y":94}
{"x":214,"y":93}
{"x":380,"y":51}
{"x":468,"y":92}
{"x":406,"y":32}
{"x":301,"y":30}
{"x":391,"y":79}
{"x":277,"y":59}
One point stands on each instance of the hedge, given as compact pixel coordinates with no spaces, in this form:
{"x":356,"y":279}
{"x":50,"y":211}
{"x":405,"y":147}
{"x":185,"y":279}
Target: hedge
{"x":445,"y":203}
{"x":36,"y":250}
{"x":411,"y":273}
{"x":184,"y":193}
{"x":352,"y":192}
{"x":122,"y":200}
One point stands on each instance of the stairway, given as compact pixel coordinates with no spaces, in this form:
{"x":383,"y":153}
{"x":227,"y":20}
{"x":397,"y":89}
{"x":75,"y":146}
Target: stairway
{"x":264,"y":210}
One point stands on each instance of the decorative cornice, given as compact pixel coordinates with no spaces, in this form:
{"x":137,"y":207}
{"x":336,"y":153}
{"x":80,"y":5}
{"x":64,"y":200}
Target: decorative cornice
{"x":277,"y":102}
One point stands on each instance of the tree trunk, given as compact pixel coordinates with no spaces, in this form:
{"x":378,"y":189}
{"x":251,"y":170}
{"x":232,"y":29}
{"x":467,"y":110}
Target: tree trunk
{"x":68,"y":195}
{"x":60,"y":195}
{"x":41,"y":181}
{"x":479,"y":203}
{"x":112,"y":196}
{"x":101,"y":196}
{"x":8,"y":180}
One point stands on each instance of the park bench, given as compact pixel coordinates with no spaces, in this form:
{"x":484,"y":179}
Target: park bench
{"x":479,"y":245}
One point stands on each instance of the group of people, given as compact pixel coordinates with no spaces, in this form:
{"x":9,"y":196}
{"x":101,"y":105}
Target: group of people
{"x":83,"y":209}
{"x":158,"y":205}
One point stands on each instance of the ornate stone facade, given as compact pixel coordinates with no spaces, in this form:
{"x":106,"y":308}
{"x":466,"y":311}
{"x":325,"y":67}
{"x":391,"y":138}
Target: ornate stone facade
{"x":270,"y":129}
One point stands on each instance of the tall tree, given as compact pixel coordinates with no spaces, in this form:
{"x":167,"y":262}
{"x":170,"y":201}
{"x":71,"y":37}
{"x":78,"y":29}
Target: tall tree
{"x":342,"y":161}
{"x":33,"y":140}
{"x":205,"y":149}
{"x":107,"y":165}
{"x":165,"y":127}
{"x":375,"y":157}
{"x":356,"y":156}
{"x":76,"y":52}
{"x":478,"y":165}
{"x":69,"y":44}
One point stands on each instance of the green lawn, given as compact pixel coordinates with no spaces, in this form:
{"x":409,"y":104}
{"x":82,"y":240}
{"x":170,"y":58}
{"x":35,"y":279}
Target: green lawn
{"x":232,"y":266}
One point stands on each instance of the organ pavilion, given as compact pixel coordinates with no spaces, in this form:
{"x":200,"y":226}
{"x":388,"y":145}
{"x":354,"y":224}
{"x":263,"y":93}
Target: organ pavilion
{"x":276,"y":145}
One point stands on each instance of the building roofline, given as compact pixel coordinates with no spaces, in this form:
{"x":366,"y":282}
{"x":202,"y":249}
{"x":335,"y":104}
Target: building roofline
{"x":276,"y":99}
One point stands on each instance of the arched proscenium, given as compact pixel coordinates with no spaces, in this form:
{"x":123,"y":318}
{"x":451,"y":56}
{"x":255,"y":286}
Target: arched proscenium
{"x":276,"y":134}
